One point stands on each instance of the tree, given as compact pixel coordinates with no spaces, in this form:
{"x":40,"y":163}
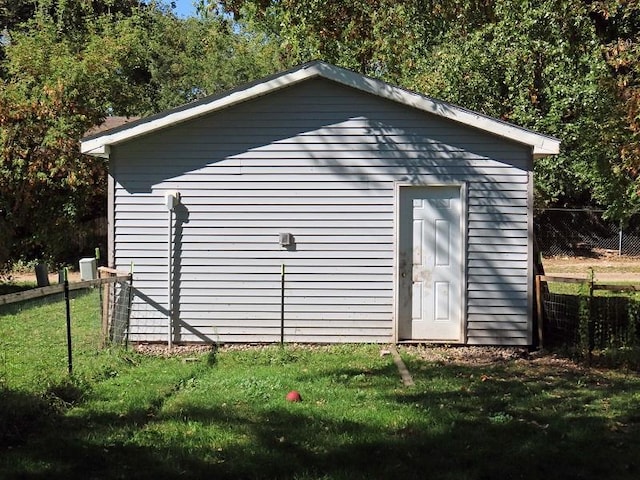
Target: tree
{"x":65,"y":70}
{"x":190,"y":59}
{"x":68,"y":16}
{"x":541,"y":66}
{"x":537,"y":64}
{"x":617,"y":24}
{"x":55,"y":91}
{"x":383,"y":38}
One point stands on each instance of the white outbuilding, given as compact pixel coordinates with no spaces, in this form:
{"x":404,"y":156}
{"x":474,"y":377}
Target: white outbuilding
{"x":394,"y":216}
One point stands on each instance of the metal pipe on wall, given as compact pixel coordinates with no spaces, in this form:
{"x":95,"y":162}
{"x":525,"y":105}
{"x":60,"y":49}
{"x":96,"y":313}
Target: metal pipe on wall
{"x":171,"y":200}
{"x":169,"y":267}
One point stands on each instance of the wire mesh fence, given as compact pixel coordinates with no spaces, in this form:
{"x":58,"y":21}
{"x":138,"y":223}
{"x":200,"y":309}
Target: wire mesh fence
{"x":117,"y":297}
{"x":562,"y":315}
{"x":584,"y":233}
{"x":48,"y":333}
{"x":33,"y":337}
{"x":590,"y":316}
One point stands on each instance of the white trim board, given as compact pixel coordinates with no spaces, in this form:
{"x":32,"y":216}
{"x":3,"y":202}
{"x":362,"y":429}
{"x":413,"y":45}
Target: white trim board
{"x":98,"y":144}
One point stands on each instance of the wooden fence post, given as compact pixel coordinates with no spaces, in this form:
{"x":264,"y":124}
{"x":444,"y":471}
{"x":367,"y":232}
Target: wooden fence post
{"x":104,"y":294}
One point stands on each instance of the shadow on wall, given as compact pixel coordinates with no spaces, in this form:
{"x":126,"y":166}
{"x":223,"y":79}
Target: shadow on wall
{"x":181,"y":214}
{"x":283,"y":120}
{"x":367,"y":141}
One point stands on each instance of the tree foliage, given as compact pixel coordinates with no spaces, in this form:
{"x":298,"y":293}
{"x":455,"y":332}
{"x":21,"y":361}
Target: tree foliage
{"x":569,"y":68}
{"x":564,"y":67}
{"x":541,"y":66}
{"x":69,"y":64}
{"x":618,"y":25}
{"x":55,"y":89}
{"x":189,"y":59}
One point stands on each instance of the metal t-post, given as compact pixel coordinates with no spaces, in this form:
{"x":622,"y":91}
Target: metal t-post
{"x":68,"y":308}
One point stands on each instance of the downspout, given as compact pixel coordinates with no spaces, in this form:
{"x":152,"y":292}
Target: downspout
{"x":171,"y":200}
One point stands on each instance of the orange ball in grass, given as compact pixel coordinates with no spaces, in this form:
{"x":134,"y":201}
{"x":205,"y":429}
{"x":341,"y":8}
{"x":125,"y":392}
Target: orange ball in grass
{"x":294,"y":396}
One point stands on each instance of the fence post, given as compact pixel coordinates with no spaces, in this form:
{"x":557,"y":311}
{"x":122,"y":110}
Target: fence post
{"x":126,"y":339}
{"x":539,"y":312}
{"x":282,"y":272}
{"x":105,"y":294}
{"x":620,"y":240}
{"x":591,"y":323}
{"x":68,"y":309}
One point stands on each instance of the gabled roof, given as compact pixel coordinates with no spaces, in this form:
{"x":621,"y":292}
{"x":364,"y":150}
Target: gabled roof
{"x":99,"y":143}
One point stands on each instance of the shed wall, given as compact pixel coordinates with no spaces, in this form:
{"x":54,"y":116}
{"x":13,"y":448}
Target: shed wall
{"x":317,"y":160}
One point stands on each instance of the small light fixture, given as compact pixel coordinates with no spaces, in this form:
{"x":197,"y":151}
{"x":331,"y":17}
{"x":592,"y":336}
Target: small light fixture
{"x":171,"y":199}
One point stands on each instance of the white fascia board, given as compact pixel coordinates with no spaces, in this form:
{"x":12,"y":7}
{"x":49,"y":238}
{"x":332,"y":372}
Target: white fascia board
{"x":98,"y":146}
{"x":543,"y":145}
{"x":101,"y":150}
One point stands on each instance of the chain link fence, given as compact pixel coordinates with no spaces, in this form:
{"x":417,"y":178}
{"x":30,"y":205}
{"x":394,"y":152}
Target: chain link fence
{"x":584,"y":233}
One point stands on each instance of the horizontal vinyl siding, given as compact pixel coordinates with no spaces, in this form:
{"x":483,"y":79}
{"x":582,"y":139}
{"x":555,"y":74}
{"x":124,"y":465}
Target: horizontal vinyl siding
{"x":318,"y":161}
{"x":498,"y":287}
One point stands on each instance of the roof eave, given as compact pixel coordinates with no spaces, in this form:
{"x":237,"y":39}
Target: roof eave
{"x":542,"y":145}
{"x":545,"y":151}
{"x":97,"y":150}
{"x":95,"y":145}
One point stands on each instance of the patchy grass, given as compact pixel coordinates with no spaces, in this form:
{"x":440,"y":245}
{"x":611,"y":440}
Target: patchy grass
{"x":223,"y":414}
{"x":567,"y":288}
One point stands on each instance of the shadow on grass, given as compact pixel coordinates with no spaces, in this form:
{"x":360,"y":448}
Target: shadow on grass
{"x":21,"y":414}
{"x":457,"y":423}
{"x":7,"y":288}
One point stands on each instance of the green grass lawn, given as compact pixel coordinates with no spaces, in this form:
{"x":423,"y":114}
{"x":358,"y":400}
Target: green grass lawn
{"x":223,"y":414}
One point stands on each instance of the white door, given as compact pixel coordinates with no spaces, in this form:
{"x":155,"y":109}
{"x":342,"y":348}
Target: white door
{"x":431,"y":263}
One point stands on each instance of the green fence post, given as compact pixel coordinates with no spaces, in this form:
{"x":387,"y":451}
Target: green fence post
{"x":68,"y":309}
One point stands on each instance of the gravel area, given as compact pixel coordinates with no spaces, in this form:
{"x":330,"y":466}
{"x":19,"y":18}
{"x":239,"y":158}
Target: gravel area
{"x":452,"y":355}
{"x":161,"y":349}
{"x":487,"y":355}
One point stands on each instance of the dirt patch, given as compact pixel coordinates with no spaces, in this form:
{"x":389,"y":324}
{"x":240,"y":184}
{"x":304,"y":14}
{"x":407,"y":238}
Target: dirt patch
{"x":30,"y":277}
{"x":611,"y":268}
{"x":466,"y":355}
{"x":487,"y":355}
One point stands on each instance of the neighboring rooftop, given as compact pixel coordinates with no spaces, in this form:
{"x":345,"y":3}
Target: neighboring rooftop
{"x":109,"y":123}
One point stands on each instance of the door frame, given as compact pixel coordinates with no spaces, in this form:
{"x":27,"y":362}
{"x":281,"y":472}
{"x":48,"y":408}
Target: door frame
{"x":401,"y":314}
